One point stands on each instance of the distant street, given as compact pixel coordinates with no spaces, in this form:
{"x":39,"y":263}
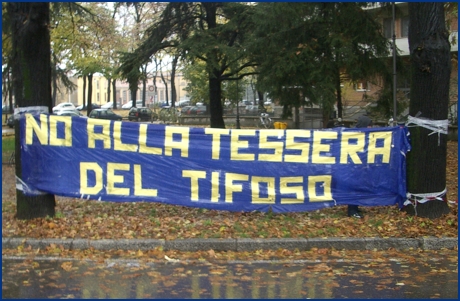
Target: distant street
{"x":402,"y":277}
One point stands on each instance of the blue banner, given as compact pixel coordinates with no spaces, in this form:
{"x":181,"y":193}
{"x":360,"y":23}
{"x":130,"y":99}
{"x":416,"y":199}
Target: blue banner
{"x":224,"y":169}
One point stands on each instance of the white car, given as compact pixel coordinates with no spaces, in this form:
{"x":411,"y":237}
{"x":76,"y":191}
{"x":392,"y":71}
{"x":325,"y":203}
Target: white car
{"x":65,"y":106}
{"x":129,"y":104}
{"x":108,"y":105}
{"x":70,"y":113}
{"x":183,"y":103}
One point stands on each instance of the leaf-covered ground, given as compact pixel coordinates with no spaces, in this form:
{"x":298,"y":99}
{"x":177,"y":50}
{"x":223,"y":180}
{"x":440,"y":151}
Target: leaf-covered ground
{"x":77,"y":218}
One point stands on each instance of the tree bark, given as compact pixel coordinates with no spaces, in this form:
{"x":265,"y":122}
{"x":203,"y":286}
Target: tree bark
{"x":144,"y":90}
{"x":114,"y":88}
{"x":32,"y":85}
{"x":89,"y":107}
{"x":144,"y":84}
{"x":109,"y":88}
{"x":338,"y":90}
{"x":430,"y":68}
{"x":173,"y":81}
{"x":260,"y":94}
{"x":215,"y":82}
{"x":54,"y":81}
{"x":133,"y":97}
{"x":166,"y":88}
{"x":84,"y":91}
{"x":215,"y":106}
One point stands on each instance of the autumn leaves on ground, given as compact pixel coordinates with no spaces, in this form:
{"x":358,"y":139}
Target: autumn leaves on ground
{"x":76,"y":218}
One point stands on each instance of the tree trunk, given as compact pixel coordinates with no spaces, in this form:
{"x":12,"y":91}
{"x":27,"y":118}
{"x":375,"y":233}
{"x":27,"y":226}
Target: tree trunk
{"x":54,"y":81}
{"x":89,"y":107}
{"x":173,"y":81}
{"x":430,"y":66}
{"x":144,"y":90}
{"x":166,"y":88}
{"x":215,"y":106}
{"x":260,"y":94}
{"x":133,"y":97}
{"x":109,"y":87}
{"x":114,"y":88}
{"x":296,"y":117}
{"x":84,"y":91}
{"x":338,"y":90}
{"x":32,"y":85}
{"x":215,"y":88}
{"x":144,"y":84}
{"x":133,"y":81}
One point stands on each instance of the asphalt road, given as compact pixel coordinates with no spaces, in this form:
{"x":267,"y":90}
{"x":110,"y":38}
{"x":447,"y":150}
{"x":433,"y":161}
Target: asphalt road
{"x":403,"y":276}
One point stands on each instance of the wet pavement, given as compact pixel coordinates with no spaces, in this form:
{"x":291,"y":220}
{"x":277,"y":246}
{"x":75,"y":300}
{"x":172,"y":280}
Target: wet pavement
{"x":404,"y":277}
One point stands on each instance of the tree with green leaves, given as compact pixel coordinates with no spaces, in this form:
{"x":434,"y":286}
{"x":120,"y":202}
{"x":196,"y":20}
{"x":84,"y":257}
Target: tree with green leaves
{"x":430,"y":69}
{"x":80,"y":36}
{"x":306,"y":51}
{"x":31,"y":78}
{"x":211,"y":32}
{"x":197,"y":82}
{"x":59,"y":49}
{"x":137,"y":16}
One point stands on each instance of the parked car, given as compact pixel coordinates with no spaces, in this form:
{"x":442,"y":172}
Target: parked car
{"x":108,"y":105}
{"x":70,"y":113}
{"x":197,"y":110}
{"x":104,"y":114}
{"x":183,"y":103}
{"x":184,"y":110}
{"x":10,"y":121}
{"x":30,"y":110}
{"x":64,"y":106}
{"x":129,"y":104}
{"x":244,"y":102}
{"x":163,"y":104}
{"x":84,"y":108}
{"x":142,"y":113}
{"x":252,"y":110}
{"x":169,"y":114}
{"x":5,"y":109}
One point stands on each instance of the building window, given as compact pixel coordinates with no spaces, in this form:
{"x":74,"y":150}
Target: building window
{"x":361,"y":86}
{"x":388,"y":28}
{"x":405,"y":27}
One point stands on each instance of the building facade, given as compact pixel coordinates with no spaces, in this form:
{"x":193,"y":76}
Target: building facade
{"x":100,"y":94}
{"x":355,"y":96}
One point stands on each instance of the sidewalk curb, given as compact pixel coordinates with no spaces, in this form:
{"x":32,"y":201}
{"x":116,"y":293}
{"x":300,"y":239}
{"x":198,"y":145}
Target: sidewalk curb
{"x":239,"y":244}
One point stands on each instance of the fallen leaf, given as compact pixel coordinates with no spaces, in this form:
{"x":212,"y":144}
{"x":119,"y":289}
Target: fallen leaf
{"x":67,"y":266}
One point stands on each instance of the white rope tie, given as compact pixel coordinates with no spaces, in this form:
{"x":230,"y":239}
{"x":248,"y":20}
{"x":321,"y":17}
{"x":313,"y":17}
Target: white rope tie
{"x":423,"y":198}
{"x":437,"y":126}
{"x":22,"y":186}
